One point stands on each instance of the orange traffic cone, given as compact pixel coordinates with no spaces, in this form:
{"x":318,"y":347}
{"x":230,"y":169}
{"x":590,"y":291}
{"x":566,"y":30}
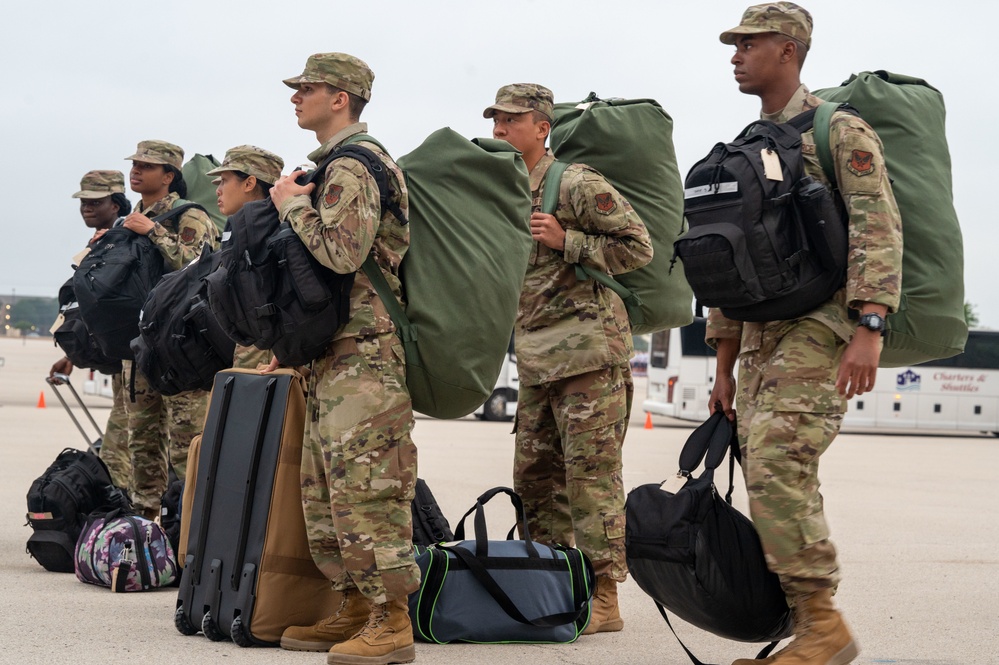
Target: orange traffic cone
{"x":41,"y":400}
{"x":648,"y":420}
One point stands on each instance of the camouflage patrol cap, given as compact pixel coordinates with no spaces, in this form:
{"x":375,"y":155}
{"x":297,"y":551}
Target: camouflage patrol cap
{"x":158,"y":152}
{"x":522,"y":98}
{"x":99,"y":184}
{"x":251,"y":160}
{"x":340,"y":70}
{"x":785,"y":18}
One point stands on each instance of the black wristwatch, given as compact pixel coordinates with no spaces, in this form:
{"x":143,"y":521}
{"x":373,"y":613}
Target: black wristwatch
{"x":872,"y":321}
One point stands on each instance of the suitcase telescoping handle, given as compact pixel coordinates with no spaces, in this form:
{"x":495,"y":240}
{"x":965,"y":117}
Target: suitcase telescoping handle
{"x":481,"y":534}
{"x":57,"y":380}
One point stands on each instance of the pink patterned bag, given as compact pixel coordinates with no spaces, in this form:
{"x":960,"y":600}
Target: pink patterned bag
{"x":125,"y":553}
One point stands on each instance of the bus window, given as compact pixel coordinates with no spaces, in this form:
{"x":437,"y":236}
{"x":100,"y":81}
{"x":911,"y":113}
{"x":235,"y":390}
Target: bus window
{"x":692,"y":339}
{"x":659,"y":349}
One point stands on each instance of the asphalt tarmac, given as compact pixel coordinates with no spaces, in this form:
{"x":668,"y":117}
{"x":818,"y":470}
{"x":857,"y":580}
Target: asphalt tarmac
{"x":915,"y":518}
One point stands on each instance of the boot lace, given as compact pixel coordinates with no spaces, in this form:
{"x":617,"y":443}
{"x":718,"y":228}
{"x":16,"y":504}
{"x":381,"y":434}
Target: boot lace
{"x":379,"y":612}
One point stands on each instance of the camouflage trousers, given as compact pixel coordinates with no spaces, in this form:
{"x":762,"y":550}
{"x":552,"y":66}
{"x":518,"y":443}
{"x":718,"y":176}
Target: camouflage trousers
{"x":249,"y":357}
{"x":160,"y":429}
{"x":567,"y":463}
{"x":788,"y":414}
{"x":114,"y":447}
{"x":359,"y":468}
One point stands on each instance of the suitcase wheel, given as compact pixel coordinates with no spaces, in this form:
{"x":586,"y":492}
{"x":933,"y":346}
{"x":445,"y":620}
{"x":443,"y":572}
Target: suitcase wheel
{"x":240,"y":635}
{"x":183,"y":623}
{"x":210,"y":630}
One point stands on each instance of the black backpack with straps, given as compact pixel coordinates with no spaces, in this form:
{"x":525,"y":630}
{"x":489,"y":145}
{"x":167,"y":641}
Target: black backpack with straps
{"x":75,"y":340}
{"x":180,"y":345}
{"x":113,"y":281}
{"x":765,"y":241}
{"x":270,"y":291}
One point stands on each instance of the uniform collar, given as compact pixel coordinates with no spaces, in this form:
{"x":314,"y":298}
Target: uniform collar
{"x":800,"y":101}
{"x":160,"y":207}
{"x":319,"y":153}
{"x":540,"y":169}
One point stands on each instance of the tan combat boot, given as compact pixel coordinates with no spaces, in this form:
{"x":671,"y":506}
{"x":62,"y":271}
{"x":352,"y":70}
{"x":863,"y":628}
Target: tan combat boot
{"x":349,"y":618}
{"x":820,"y":635}
{"x":605,"y":617}
{"x":386,"y":638}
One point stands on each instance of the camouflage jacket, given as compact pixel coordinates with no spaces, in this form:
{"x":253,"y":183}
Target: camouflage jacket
{"x":567,"y":327}
{"x":874,"y":269}
{"x":342,"y":223}
{"x":180,"y":239}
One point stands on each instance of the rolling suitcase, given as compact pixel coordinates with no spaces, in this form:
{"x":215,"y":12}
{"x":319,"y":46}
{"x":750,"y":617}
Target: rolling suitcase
{"x":248,"y":573}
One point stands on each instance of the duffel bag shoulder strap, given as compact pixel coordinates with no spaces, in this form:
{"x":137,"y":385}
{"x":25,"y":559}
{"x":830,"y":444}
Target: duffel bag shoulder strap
{"x":693,"y":659}
{"x":549,"y":203}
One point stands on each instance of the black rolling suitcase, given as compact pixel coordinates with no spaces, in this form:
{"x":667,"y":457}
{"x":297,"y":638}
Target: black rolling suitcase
{"x":248,"y":573}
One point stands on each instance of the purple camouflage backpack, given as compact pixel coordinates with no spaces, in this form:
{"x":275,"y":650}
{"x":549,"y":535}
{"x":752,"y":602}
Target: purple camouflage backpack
{"x":125,"y":553}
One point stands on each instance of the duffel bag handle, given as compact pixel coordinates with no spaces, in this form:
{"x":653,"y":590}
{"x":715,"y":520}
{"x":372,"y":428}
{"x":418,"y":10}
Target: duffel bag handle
{"x":481,"y":533}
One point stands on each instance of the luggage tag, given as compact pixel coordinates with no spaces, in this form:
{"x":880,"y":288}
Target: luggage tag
{"x":76,"y":260}
{"x":675,"y":483}
{"x":58,"y":323}
{"x":771,"y":165}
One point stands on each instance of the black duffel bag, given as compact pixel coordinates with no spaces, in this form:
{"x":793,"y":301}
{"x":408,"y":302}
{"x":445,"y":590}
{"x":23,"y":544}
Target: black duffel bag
{"x":500,"y":591}
{"x":698,"y":556}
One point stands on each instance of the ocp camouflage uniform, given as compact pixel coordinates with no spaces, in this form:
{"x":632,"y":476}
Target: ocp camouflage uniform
{"x":359,"y":460}
{"x":574,"y":347}
{"x":114,"y":445}
{"x":249,"y":357}
{"x":162,"y":427}
{"x":788,"y":408}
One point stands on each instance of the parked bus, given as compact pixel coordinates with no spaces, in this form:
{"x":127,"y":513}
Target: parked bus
{"x":954,"y":394}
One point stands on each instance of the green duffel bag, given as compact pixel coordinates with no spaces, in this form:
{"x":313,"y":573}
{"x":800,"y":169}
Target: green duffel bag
{"x":630,"y":142}
{"x":470,"y":239}
{"x":908,"y":115}
{"x":200,"y":188}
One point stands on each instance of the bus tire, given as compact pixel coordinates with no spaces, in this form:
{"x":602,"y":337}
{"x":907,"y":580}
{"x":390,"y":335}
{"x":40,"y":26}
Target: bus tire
{"x":495,"y":407}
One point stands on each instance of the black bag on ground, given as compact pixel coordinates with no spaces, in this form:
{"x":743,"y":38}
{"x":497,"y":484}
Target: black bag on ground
{"x":75,"y":484}
{"x":500,"y":591}
{"x":113,"y":281}
{"x":766,"y":242}
{"x":429,"y":524}
{"x":75,"y":340}
{"x":180,"y":345}
{"x":271,"y":292}
{"x":698,"y":556}
{"x":170,"y":510}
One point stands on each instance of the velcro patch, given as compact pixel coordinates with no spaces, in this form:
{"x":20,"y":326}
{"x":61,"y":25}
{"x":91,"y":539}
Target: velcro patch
{"x":188,"y":234}
{"x":861,"y":163}
{"x":332,"y":196}
{"x":605,"y":202}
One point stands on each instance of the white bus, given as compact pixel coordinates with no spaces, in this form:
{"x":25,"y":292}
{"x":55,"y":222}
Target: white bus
{"x":959,"y":393}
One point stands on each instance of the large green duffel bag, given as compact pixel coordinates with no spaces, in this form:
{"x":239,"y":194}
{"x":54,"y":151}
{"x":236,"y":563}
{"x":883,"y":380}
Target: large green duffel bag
{"x":630,"y":142}
{"x":908,"y":115}
{"x":201,"y":189}
{"x":470,"y":239}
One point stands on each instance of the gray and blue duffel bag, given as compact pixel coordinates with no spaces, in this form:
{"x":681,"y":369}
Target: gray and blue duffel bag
{"x":489,"y":591}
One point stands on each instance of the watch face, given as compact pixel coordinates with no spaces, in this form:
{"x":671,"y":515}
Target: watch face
{"x":872,"y":321}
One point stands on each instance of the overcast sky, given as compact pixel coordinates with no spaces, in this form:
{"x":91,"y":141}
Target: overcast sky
{"x":82,"y":83}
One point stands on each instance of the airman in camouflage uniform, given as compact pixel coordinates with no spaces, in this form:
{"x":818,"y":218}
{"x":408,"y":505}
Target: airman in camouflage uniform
{"x":162,"y":427}
{"x":246,"y":174}
{"x":359,"y":460}
{"x":795,"y":376}
{"x":574,"y":346}
{"x":100,"y":212}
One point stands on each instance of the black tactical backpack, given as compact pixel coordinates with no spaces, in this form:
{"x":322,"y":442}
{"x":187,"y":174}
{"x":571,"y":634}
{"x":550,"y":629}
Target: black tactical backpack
{"x":180,"y":345}
{"x":113,"y":281}
{"x":74,"y":485}
{"x":763,"y":244}
{"x":270,"y":292}
{"x":75,"y":340}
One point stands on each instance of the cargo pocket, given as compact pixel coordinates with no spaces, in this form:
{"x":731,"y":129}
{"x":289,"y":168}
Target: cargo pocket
{"x":397,"y":570}
{"x":379,"y":458}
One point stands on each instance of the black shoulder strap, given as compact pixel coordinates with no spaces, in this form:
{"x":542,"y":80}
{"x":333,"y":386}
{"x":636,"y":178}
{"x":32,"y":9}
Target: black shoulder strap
{"x":693,"y":659}
{"x":374,"y":166}
{"x":179,"y":210}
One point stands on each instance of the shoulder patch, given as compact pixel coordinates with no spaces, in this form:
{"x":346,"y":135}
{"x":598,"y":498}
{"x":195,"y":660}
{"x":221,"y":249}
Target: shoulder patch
{"x":605,"y":202}
{"x":332,"y":196}
{"x":861,"y":163}
{"x":187,"y":235}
